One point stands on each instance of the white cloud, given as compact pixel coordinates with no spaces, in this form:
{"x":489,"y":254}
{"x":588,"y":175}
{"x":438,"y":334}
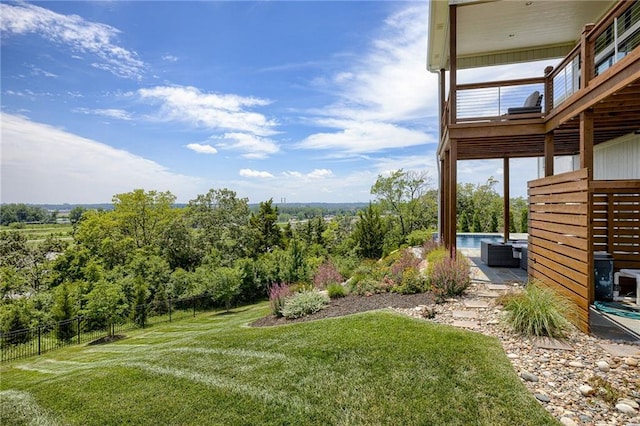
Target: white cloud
{"x":170,"y":58}
{"x":320,"y":173}
{"x":209,"y":110}
{"x":364,"y":137}
{"x":253,"y":147}
{"x":314,"y":174}
{"x":43,"y":164}
{"x":119,"y":114}
{"x":202,"y":148}
{"x":72,"y":30}
{"x":255,"y":174}
{"x":390,"y":81}
{"x":384,"y":96}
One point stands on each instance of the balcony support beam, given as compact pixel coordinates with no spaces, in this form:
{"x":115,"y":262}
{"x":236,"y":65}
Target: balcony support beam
{"x":548,"y":154}
{"x":453,"y":193}
{"x":586,"y":142}
{"x":453,"y":53}
{"x":506,"y":219}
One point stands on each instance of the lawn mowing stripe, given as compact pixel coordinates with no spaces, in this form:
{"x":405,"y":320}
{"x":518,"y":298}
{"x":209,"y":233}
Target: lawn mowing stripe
{"x":230,"y":352}
{"x":21,"y":408}
{"x":266,"y":395}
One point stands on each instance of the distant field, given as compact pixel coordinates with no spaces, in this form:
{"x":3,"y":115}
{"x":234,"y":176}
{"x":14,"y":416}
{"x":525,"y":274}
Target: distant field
{"x":374,"y":368}
{"x":37,"y":233}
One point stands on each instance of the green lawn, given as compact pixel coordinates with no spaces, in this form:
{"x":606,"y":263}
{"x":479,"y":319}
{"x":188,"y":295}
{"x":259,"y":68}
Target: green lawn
{"x":375,"y":368}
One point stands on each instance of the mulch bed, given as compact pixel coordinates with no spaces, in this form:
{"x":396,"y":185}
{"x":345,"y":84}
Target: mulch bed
{"x":353,"y":304}
{"x":107,"y":339}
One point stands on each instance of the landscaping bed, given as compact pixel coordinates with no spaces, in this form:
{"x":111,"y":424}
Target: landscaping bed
{"x":353,"y":304}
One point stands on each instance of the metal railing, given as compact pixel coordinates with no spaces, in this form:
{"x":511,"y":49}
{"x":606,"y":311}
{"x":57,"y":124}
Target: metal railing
{"x":491,"y":101}
{"x":82,"y":329}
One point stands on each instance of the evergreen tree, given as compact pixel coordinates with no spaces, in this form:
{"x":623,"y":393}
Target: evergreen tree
{"x":64,"y":311}
{"x":524,"y":221}
{"x":264,"y":224}
{"x":512,"y":222}
{"x":369,"y":233}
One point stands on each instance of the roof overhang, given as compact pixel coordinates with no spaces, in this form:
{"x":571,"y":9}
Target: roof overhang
{"x":498,"y":32}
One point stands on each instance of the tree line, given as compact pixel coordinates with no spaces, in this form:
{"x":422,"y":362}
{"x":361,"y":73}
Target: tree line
{"x":146,"y":250}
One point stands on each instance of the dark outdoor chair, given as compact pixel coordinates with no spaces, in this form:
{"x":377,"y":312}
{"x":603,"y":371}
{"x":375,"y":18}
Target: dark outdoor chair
{"x":532,"y":105}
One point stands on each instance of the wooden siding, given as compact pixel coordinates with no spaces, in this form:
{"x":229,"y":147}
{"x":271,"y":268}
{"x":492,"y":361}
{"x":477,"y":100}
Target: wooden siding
{"x":559,"y":239}
{"x":616,"y":221}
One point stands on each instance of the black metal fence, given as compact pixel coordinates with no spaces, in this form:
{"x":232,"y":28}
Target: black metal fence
{"x":47,"y":337}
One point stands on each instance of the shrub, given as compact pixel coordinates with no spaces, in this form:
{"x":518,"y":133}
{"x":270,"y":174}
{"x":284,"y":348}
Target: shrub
{"x":365,"y":286}
{"x":326,"y":274}
{"x":537,"y":311}
{"x":418,"y":237}
{"x":305,"y":303}
{"x":434,"y":257}
{"x":412,"y":282}
{"x":429,"y":246}
{"x":406,"y":261}
{"x":277,"y":295}
{"x":450,"y":277}
{"x":336,"y":290}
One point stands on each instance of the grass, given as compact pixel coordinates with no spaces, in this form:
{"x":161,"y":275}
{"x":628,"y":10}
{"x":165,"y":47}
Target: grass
{"x":373,"y":368}
{"x":36,"y":233}
{"x":537,"y":311}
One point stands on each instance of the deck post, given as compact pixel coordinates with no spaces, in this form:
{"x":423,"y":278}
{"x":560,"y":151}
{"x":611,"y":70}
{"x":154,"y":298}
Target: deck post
{"x":453,"y":189}
{"x":586,"y":142}
{"x":446,"y":200}
{"x":443,"y":99}
{"x":506,"y":221}
{"x":548,"y":154}
{"x":453,"y":63}
{"x":442,"y":206}
{"x":587,"y":68}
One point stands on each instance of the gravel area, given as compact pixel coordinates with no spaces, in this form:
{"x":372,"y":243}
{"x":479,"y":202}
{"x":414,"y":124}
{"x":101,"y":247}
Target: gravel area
{"x":589,"y":382}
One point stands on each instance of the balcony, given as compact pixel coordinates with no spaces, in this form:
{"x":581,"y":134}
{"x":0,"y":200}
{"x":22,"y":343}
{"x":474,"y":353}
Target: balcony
{"x":600,"y":75}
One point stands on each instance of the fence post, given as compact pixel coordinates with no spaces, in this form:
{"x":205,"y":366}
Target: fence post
{"x":39,"y":339}
{"x":79,"y":319}
{"x":194,"y":306}
{"x":169,"y":310}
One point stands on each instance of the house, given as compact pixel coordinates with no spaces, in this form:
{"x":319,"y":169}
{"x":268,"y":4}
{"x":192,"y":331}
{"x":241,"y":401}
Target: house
{"x":585,"y":104}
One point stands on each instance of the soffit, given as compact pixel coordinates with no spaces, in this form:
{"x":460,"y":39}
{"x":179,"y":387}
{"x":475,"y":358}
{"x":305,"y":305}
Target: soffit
{"x":509,"y":31}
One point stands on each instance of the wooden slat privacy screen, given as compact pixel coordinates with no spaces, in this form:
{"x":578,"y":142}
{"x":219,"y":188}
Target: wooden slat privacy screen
{"x":616,"y":221}
{"x":570,"y":218}
{"x":559,"y":254}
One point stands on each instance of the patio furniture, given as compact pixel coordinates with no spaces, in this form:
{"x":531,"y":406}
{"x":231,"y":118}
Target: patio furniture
{"x":532,"y":105}
{"x":629,"y":273}
{"x":498,"y":254}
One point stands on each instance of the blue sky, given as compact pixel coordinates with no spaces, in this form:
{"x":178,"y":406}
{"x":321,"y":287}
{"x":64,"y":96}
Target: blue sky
{"x":308,"y":101}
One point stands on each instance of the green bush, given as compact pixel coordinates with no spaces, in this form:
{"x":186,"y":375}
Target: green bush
{"x":450,"y":278}
{"x":336,"y":290}
{"x":412,"y":282}
{"x":418,"y":237}
{"x":305,"y":303}
{"x":435,"y":256}
{"x":538,"y":311}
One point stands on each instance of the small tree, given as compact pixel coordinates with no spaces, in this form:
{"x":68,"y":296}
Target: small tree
{"x":226,"y":284}
{"x":141,"y":309}
{"x":63,"y":312}
{"x":105,"y":304}
{"x":524,"y":221}
{"x":369,"y":233}
{"x":15,"y":320}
